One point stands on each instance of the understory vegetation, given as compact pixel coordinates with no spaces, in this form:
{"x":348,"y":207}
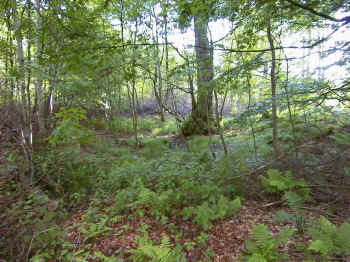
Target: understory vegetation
{"x":121,"y":142}
{"x":103,"y":199}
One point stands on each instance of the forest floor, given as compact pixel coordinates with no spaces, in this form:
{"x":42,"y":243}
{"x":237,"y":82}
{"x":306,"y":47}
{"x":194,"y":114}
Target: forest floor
{"x":225,"y":239}
{"x":171,"y":195}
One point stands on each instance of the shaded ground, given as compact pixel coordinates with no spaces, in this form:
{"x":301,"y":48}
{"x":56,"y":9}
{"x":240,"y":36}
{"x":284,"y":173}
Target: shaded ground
{"x":319,"y":161}
{"x":226,"y":237}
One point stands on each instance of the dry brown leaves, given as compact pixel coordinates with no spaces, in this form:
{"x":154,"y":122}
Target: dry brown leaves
{"x":226,"y":237}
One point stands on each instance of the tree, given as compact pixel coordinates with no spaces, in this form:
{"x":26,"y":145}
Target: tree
{"x":201,"y":12}
{"x":273,"y":89}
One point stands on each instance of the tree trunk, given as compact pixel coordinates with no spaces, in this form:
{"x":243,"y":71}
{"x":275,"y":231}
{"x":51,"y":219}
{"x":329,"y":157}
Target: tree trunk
{"x":20,"y":61}
{"x":26,"y":135}
{"x":273,"y":91}
{"x":39,"y":82}
{"x":198,"y":122}
{"x":132,"y":97}
{"x":205,"y":72}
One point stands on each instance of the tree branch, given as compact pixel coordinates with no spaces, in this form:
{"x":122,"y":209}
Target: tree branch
{"x":325,"y":16}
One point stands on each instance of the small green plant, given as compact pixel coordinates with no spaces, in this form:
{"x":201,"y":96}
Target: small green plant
{"x":147,"y":251}
{"x":158,"y":204}
{"x":94,"y":224}
{"x":122,"y":201}
{"x":168,"y":127}
{"x":154,"y":147}
{"x":101,"y":257}
{"x":207,"y":212}
{"x":279,"y":183}
{"x":202,"y":238}
{"x":264,"y":246}
{"x":283,"y":217}
{"x":190,"y":245}
{"x":294,"y":191}
{"x":328,"y":240}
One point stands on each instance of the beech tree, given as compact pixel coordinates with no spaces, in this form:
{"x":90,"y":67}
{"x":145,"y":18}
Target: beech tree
{"x":201,"y":12}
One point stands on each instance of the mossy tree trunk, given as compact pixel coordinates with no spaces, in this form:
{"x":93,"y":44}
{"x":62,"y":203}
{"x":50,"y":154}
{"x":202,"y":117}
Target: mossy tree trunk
{"x":200,"y":120}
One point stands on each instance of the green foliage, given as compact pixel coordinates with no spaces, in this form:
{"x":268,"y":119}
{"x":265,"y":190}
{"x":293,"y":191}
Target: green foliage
{"x":123,"y":201}
{"x":94,"y":224}
{"x":283,"y":217}
{"x":120,"y":125}
{"x":207,"y":212}
{"x":101,"y":257}
{"x":147,"y":251}
{"x":294,"y":191}
{"x":154,"y":147}
{"x":69,"y":169}
{"x":230,"y":123}
{"x":158,"y":204}
{"x":276,"y":182}
{"x":264,"y":246}
{"x":125,"y":125}
{"x":32,"y":227}
{"x":342,"y":138}
{"x":200,"y":144}
{"x":69,"y":130}
{"x":328,"y":240}
{"x":193,"y":125}
{"x":66,"y":165}
{"x":167,"y":127}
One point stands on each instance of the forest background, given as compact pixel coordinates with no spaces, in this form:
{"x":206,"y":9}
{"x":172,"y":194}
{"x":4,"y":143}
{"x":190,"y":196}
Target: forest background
{"x":174,"y":130}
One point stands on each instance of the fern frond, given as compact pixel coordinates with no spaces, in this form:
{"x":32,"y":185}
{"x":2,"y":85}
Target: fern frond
{"x":257,"y":258}
{"x":342,"y":239}
{"x":293,"y":199}
{"x":328,"y":240}
{"x":262,"y":235}
{"x":284,"y":235}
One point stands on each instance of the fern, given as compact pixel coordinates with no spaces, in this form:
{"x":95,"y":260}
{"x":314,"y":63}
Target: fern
{"x":294,"y":191}
{"x":206,"y":212}
{"x":257,"y":258}
{"x":101,"y":257}
{"x":159,"y":204}
{"x":293,"y":199}
{"x":162,"y":253}
{"x":328,"y":240}
{"x":264,"y":246}
{"x":278,"y":183}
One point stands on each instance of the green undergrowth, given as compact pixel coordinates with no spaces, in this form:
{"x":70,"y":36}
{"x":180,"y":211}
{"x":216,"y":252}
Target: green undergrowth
{"x":110,"y":180}
{"x":123,"y":125}
{"x":264,"y":247}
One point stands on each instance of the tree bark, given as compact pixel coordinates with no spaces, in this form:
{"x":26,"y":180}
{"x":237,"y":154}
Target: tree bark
{"x":205,"y":72}
{"x":273,"y":91}
{"x":39,"y":82}
{"x":26,"y":134}
{"x":202,"y":113}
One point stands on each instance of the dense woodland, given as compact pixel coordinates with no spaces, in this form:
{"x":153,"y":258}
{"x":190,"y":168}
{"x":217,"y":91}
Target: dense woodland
{"x":174,"y":130}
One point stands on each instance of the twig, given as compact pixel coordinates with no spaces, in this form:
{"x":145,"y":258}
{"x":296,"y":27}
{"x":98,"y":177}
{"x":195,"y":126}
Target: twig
{"x":273,"y":203}
{"x":31,"y":241}
{"x":321,"y":211}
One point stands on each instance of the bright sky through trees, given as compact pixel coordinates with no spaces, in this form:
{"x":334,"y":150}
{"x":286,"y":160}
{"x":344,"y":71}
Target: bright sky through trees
{"x":305,"y":59}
